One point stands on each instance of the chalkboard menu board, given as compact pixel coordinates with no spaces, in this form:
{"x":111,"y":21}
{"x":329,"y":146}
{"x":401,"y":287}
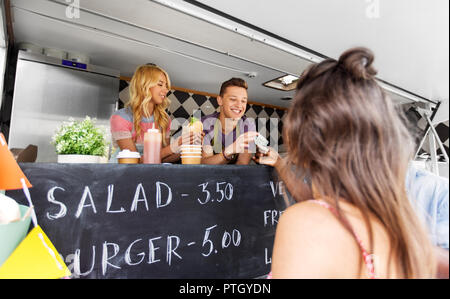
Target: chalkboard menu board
{"x":158,"y":221}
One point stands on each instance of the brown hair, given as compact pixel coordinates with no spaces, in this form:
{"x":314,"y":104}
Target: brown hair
{"x":232,"y":82}
{"x":345,"y":134}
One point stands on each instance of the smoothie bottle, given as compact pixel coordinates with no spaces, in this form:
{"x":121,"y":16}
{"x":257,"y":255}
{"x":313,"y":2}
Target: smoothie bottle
{"x":152,"y":146}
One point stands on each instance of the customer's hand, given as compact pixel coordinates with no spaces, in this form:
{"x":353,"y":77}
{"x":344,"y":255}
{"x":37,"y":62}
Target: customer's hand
{"x":271,"y":158}
{"x":241,"y":144}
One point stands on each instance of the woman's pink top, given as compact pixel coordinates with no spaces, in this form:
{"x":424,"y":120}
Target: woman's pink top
{"x":368,"y":260}
{"x":122,"y":126}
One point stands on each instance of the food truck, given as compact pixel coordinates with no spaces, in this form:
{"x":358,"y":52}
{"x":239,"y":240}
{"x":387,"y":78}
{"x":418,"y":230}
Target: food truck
{"x":65,"y":60}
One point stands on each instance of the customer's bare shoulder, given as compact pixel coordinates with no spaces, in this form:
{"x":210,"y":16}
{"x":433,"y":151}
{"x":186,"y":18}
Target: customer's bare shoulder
{"x":311,"y":243}
{"x":308,"y":213}
{"x":311,"y":221}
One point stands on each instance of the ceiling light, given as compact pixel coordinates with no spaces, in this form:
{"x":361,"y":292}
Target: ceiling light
{"x":285,"y":83}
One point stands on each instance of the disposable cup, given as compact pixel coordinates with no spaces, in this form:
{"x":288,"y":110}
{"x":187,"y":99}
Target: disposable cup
{"x":191,"y":160}
{"x":191,"y":149}
{"x":191,"y":152}
{"x":128,"y":157}
{"x":191,"y":146}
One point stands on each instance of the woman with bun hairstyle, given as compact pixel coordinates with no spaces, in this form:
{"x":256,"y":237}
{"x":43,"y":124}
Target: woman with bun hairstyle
{"x":353,"y":219}
{"x":146,"y":107}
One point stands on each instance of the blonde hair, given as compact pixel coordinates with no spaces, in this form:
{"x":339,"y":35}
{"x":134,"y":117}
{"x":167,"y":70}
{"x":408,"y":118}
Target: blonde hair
{"x":144,"y":78}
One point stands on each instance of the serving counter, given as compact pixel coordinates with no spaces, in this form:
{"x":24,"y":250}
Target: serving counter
{"x":158,"y":221}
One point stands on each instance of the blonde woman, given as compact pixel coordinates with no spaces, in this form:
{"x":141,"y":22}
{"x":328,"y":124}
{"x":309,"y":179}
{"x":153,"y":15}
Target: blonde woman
{"x":146,"y":107}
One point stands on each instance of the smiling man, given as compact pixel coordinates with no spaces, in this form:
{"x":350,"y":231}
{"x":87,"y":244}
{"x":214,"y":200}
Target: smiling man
{"x":229,"y":134}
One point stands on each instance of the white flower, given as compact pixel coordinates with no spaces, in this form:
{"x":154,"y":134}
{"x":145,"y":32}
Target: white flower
{"x":80,"y":137}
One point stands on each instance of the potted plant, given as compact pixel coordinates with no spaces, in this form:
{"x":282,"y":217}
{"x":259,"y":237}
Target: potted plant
{"x":80,"y":142}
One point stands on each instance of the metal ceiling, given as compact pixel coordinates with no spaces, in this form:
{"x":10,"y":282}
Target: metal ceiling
{"x":198,"y":53}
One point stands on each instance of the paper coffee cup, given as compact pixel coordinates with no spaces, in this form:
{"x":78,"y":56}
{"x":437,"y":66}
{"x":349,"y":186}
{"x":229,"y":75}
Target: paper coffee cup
{"x":191,"y":146}
{"x":191,"y":160}
{"x":191,"y":152}
{"x":128,"y":157}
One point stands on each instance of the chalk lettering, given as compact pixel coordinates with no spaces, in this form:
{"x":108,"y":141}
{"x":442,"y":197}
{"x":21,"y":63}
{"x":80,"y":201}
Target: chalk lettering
{"x":106,"y":257}
{"x":207,"y":241}
{"x":127,"y":255}
{"x":236,"y":237}
{"x":110,"y":199}
{"x":171,"y":249}
{"x":62,"y":207}
{"x":226,"y":240}
{"x":281,"y":188}
{"x":136,"y":200}
{"x":266,"y":216}
{"x":208,"y":195}
{"x":218,"y":189}
{"x":273,"y":215}
{"x":76,"y":263}
{"x":81,"y":206}
{"x":151,"y":251}
{"x":277,"y":188}
{"x":223,"y":188}
{"x":268,"y":259}
{"x":158,"y":195}
{"x":229,"y":194}
{"x":274,"y":188}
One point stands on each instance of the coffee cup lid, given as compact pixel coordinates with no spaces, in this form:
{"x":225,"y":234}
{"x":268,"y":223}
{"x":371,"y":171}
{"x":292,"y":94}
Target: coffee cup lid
{"x":127,"y":154}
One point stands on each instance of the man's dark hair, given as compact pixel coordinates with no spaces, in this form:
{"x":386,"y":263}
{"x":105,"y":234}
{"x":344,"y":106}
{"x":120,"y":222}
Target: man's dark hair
{"x":233,"y":82}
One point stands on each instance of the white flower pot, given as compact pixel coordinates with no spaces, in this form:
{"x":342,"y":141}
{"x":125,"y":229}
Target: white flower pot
{"x":78,"y":159}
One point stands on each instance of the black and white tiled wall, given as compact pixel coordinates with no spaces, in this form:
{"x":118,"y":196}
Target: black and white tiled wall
{"x":183,"y":104}
{"x":269,"y":120}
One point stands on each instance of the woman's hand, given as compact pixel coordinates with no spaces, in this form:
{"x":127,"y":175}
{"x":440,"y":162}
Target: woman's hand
{"x":271,"y":158}
{"x":185,"y":139}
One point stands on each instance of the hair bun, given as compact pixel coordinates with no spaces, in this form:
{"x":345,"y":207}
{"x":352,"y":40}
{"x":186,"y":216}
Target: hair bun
{"x":358,"y":62}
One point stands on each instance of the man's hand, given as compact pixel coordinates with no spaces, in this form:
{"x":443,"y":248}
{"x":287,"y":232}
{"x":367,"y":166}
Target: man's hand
{"x":241,"y":144}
